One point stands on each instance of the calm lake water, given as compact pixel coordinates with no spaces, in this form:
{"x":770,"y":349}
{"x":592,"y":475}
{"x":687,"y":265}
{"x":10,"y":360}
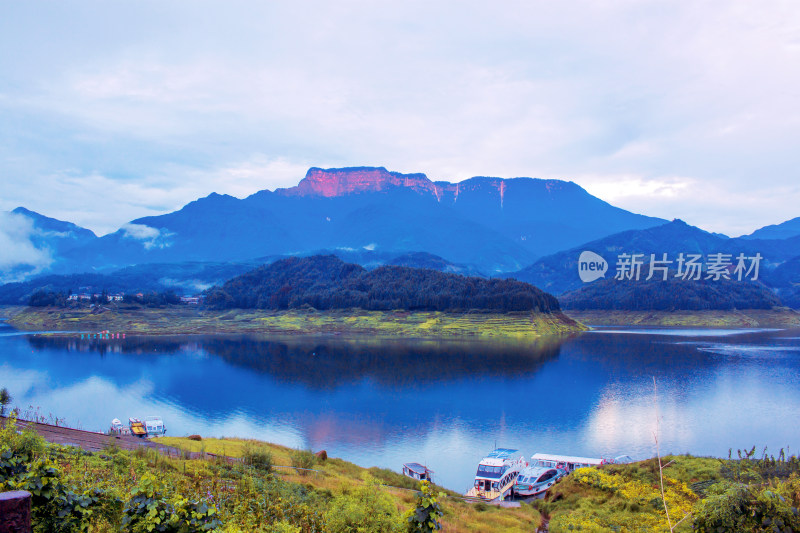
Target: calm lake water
{"x":444,"y":404}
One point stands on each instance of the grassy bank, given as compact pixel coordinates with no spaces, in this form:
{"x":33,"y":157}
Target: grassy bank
{"x":117,"y":490}
{"x":781,"y":317}
{"x":188,"y":319}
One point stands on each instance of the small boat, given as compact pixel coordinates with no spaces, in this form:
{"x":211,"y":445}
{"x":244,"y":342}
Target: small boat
{"x":154,"y":426}
{"x":417,"y":471}
{"x":536,"y":479}
{"x":117,"y":428}
{"x":137,"y":427}
{"x":496,"y":475}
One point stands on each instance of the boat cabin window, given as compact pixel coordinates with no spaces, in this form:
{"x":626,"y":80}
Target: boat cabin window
{"x":547,"y":475}
{"x":489,"y":471}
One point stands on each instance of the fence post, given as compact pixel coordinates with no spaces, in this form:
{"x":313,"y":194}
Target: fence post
{"x":15,"y":512}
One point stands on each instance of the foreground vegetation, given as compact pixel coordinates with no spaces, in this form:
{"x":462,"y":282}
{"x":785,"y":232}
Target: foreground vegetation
{"x":741,"y":494}
{"x":144,"y":491}
{"x":276,"y":489}
{"x":183,"y":319}
{"x":741,"y":318}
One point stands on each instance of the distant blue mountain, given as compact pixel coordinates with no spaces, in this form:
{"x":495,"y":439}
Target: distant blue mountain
{"x":492,"y":224}
{"x":784,"y":230}
{"x":56,"y":235}
{"x":558,"y":273}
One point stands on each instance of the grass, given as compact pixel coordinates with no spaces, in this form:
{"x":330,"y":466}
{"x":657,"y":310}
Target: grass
{"x":335,"y":476}
{"x":626,"y":497}
{"x":748,"y":318}
{"x":389,"y":324}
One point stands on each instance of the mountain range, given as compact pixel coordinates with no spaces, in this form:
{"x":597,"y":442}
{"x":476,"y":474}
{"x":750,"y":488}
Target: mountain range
{"x":491,"y":224}
{"x":529,"y":229}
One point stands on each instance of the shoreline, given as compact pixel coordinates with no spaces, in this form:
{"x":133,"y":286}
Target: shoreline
{"x":385,"y":324}
{"x":779,"y":317}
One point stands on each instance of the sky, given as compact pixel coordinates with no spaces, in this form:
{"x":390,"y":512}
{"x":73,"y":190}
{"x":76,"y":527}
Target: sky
{"x":110,"y":111}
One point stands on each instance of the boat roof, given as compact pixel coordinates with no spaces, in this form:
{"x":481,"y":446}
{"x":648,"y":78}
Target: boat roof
{"x":565,"y":459}
{"x":501,"y":453}
{"x":418,"y":468}
{"x":535,"y":471}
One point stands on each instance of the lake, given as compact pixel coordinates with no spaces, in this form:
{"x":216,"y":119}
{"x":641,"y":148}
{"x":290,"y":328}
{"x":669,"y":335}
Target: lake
{"x":444,"y":404}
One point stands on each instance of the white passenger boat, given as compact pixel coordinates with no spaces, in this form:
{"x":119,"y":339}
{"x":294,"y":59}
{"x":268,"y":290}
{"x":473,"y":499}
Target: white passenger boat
{"x":154,"y":426}
{"x":496,"y":475}
{"x":536,"y":479}
{"x":568,"y":463}
{"x":545,"y":469}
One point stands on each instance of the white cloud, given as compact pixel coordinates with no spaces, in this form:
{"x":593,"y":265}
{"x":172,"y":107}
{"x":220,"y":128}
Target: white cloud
{"x":150,"y":237}
{"x":19,"y":256}
{"x":246,"y":96}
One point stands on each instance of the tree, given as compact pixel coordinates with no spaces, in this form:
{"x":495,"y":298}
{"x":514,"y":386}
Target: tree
{"x":5,"y":399}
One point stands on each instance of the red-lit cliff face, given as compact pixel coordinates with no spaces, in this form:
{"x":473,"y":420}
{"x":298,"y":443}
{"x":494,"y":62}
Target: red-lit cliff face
{"x":334,"y":182}
{"x":343,"y":181}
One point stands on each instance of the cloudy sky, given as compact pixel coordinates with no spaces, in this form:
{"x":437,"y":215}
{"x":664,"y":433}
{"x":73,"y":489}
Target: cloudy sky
{"x":115,"y":110}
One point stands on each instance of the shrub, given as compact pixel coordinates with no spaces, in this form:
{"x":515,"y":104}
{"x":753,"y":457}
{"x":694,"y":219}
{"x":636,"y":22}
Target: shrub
{"x":148,"y":510}
{"x":366,"y":508}
{"x":743,"y":508}
{"x":259,"y":459}
{"x":303,"y":460}
{"x":424,"y":518}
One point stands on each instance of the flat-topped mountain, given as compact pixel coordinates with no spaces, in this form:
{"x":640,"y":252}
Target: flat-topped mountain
{"x":488,"y":224}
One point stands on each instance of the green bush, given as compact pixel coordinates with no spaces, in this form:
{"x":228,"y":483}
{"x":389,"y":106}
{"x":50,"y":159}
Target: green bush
{"x":745,"y":509}
{"x":303,"y":460}
{"x":366,"y":508}
{"x":424,"y":518}
{"x":56,"y":507}
{"x":259,"y":459}
{"x":148,"y":510}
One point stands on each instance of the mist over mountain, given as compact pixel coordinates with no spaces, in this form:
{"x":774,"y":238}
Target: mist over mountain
{"x":31,"y":243}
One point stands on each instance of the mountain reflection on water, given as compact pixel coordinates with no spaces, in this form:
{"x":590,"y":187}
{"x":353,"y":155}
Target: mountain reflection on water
{"x":444,"y":403}
{"x":329,"y":363}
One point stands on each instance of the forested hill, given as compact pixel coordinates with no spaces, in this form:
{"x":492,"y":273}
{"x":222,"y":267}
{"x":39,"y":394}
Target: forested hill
{"x":672,"y":294}
{"x":327,"y":282}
